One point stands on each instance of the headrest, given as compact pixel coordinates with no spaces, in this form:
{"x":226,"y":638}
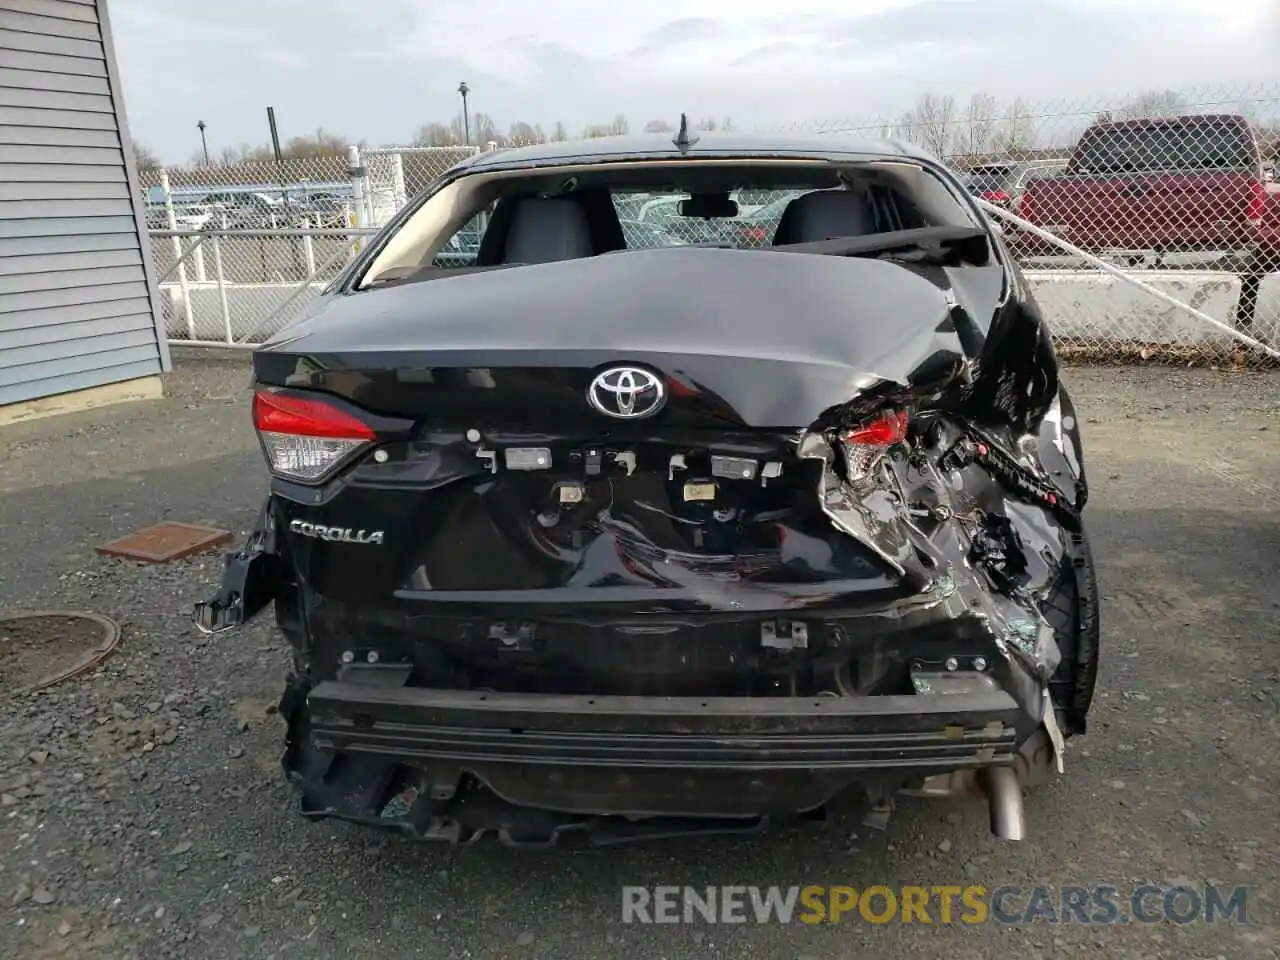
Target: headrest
{"x":547,"y":229}
{"x":823,"y":215}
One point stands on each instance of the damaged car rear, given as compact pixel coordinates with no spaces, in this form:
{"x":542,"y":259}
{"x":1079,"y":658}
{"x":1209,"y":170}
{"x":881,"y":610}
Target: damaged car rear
{"x":575,"y":536}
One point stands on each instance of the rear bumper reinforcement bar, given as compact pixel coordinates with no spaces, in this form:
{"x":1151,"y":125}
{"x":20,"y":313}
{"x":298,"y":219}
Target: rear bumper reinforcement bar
{"x":409,"y":725}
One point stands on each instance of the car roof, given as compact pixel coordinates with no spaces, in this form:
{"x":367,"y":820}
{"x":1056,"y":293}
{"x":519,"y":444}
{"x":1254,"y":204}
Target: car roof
{"x":1179,"y":120}
{"x":708,"y":145}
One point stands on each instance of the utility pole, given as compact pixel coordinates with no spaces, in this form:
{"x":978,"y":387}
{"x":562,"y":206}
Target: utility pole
{"x":204,"y":144}
{"x":275,"y":134}
{"x":466,"y":118}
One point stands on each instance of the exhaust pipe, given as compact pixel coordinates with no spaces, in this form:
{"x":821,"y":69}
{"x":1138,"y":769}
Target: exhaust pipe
{"x":1008,"y":819}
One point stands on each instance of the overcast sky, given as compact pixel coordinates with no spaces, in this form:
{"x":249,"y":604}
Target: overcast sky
{"x":377,"y":69}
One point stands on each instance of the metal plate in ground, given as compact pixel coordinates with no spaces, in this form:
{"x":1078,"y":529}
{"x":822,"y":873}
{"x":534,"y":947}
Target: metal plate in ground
{"x":165,"y":542}
{"x":39,"y":649}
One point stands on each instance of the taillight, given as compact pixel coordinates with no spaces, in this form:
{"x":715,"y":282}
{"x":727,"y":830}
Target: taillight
{"x":1257,"y":203}
{"x":1026,"y":207}
{"x":755,"y":233}
{"x":882,"y":432}
{"x":306,"y":438}
{"x":866,"y":445}
{"x":995,"y":196}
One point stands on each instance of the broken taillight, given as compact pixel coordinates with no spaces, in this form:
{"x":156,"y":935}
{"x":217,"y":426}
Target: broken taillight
{"x":884,"y":431}
{"x":864,"y":446}
{"x":306,"y":438}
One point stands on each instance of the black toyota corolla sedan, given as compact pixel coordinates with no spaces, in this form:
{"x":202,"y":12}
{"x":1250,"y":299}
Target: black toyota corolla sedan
{"x":568,"y":534}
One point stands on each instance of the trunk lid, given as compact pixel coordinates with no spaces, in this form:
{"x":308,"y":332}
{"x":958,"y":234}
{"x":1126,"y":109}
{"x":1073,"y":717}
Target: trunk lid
{"x":739,"y":337}
{"x":494,"y":480}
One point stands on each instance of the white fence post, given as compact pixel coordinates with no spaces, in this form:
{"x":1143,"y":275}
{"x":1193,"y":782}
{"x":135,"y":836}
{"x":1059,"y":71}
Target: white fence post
{"x":356,"y":172}
{"x":358,"y":211}
{"x":400,"y":194}
{"x":172,"y":219}
{"x":222,"y":283}
{"x":197,"y":262}
{"x":308,"y":250}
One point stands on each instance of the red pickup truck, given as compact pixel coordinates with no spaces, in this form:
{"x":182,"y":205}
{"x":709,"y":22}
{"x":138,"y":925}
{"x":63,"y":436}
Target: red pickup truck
{"x":1142,"y":188}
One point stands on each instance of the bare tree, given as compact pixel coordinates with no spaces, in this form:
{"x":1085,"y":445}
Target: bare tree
{"x":1153,"y":103}
{"x":930,"y":123}
{"x":658,"y":126}
{"x":521,"y":132}
{"x":559,"y":132}
{"x":322,"y":143}
{"x":617,"y":127}
{"x":435,"y":134}
{"x":978,"y":128}
{"x":319,"y":144}
{"x":482,"y":129}
{"x":711,"y":123}
{"x":145,"y":158}
{"x":1017,"y":131}
{"x":230,"y":156}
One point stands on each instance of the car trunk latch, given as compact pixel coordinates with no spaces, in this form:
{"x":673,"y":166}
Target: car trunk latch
{"x":784,"y":635}
{"x":519,"y":637}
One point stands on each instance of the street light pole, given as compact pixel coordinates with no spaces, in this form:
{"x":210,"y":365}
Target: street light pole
{"x":466,"y":119}
{"x":204,"y":144}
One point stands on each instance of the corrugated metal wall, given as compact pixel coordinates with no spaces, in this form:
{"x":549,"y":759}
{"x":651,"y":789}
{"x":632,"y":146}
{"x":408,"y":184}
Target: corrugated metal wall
{"x":76,"y":304}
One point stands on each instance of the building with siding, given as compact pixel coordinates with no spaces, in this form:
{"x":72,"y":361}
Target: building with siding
{"x":80,"y":322}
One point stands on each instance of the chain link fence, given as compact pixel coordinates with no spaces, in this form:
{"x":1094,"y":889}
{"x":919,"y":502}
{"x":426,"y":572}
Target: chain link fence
{"x":241,"y":250}
{"x":1138,"y":219}
{"x":398,"y":174}
{"x":1148,"y":226}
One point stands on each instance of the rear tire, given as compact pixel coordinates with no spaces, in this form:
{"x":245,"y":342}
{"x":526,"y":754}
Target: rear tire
{"x":1072,"y":611}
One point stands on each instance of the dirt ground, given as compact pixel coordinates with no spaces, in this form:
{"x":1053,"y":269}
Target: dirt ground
{"x":143,"y":814}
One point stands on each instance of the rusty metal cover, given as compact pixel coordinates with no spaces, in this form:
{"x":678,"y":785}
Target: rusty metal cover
{"x":40,"y":649}
{"x":165,"y":542}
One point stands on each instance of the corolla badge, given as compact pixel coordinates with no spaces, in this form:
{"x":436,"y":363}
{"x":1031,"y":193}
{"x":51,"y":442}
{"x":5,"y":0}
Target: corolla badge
{"x":336,"y":534}
{"x":627,"y":393}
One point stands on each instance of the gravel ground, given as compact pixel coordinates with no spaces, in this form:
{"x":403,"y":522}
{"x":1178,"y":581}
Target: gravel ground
{"x":144,"y":815}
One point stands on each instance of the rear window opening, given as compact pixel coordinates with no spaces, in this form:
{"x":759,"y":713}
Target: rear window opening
{"x":505,"y":219}
{"x":1176,"y":145}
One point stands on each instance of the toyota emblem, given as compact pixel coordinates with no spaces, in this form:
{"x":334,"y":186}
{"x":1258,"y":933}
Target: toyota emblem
{"x":627,"y":393}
